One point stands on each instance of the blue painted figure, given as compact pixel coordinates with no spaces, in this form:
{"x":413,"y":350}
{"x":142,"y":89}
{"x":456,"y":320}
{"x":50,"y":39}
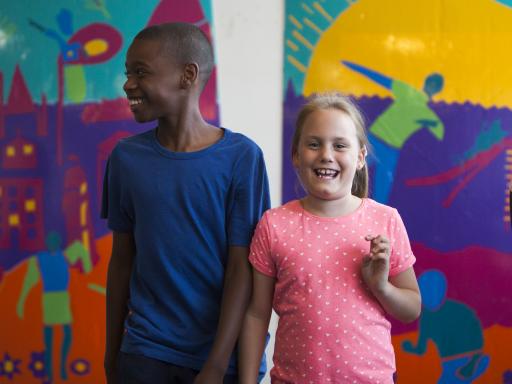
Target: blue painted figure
{"x":52,"y":267}
{"x":454,"y":328}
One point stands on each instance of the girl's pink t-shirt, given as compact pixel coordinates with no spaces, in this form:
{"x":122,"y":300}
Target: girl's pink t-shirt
{"x":331,"y":328}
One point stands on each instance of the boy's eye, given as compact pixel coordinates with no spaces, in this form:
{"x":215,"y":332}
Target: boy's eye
{"x":339,"y":146}
{"x":313,"y":145}
{"x":139,"y":72}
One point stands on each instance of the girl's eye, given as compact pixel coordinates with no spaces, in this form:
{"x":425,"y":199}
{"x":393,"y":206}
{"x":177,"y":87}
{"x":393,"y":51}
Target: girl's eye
{"x":313,"y":145}
{"x":339,"y":146}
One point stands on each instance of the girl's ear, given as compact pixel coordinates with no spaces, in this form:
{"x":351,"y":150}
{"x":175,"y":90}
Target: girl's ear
{"x":361,"y":161}
{"x":295,"y":160}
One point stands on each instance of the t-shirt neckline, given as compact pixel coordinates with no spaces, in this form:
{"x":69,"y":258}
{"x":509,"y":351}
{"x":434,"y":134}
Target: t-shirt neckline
{"x":188,"y":155}
{"x":306,"y":213}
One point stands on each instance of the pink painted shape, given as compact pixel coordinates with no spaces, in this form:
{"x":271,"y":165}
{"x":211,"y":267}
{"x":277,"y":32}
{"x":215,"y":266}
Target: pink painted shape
{"x":469,"y":169}
{"x":185,"y":11}
{"x":20,"y":100}
{"x":97,"y":31}
{"x":107,"y":110}
{"x":188,"y":11}
{"x":477,"y":276}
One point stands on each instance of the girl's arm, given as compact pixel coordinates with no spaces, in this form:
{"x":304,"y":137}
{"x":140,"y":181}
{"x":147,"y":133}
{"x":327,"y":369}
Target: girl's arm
{"x":254,"y":328}
{"x":399,"y":295}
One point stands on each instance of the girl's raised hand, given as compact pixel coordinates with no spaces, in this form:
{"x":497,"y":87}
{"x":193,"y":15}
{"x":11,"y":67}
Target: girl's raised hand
{"x":375,"y":267}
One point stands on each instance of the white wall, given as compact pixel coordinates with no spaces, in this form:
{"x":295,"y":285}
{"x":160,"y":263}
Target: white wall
{"x":249,"y":46}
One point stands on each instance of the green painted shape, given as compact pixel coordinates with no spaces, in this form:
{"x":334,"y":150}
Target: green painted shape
{"x":31,"y":279}
{"x":97,"y":288}
{"x":75,"y":84}
{"x":408,"y":113}
{"x":57,"y":308}
{"x":454,"y":328}
{"x":77,"y":252}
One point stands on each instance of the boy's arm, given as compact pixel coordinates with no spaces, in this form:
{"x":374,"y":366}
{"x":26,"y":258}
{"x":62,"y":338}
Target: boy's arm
{"x":237,"y":290}
{"x":118,"y":281}
{"x":254,"y":328}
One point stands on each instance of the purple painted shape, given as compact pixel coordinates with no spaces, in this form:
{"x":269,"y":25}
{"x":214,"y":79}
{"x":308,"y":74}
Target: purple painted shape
{"x":427,"y":221}
{"x":80,"y":143}
{"x":468,"y":241}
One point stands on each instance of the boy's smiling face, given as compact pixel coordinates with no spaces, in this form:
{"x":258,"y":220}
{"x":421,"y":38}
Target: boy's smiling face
{"x":153,"y":81}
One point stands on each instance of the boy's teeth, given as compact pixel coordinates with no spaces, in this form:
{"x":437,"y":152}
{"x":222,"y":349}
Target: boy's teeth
{"x":135,"y":101}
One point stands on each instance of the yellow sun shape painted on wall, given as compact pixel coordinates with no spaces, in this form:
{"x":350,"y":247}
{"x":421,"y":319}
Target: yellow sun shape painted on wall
{"x":469,"y":43}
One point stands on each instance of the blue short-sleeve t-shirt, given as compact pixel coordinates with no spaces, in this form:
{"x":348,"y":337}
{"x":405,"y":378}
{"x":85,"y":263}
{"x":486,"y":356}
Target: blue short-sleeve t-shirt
{"x":184,"y":209}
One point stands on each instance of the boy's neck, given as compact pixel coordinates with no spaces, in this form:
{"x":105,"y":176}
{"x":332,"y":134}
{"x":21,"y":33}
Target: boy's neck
{"x":331,"y":208}
{"x":186,"y":132}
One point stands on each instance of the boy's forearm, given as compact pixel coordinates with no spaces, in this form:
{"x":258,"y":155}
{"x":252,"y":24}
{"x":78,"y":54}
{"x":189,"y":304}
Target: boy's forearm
{"x":117,"y":310}
{"x":235,"y":298}
{"x":118,"y":284}
{"x":251,"y":345}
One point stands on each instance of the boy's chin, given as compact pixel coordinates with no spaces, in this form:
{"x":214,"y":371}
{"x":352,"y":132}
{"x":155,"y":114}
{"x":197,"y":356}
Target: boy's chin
{"x":142,"y":118}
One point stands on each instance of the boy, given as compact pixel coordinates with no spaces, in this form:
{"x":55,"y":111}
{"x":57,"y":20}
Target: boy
{"x":182,"y":200}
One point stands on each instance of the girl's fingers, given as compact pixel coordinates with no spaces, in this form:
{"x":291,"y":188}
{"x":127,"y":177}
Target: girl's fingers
{"x":379,"y":256}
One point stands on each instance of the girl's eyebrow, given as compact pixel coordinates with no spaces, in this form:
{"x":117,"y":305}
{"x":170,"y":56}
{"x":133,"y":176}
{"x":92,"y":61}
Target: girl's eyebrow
{"x":337,"y":138}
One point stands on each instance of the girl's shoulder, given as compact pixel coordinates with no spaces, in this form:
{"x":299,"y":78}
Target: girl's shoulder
{"x":287,"y":211}
{"x":373,"y":207}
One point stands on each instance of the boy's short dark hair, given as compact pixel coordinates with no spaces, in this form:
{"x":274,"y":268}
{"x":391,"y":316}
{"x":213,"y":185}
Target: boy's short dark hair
{"x":184,"y":42}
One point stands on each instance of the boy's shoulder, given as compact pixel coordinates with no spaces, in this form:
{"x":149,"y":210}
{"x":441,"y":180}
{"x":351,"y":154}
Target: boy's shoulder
{"x":239,"y":140}
{"x":136,"y":139}
{"x":127,"y":146}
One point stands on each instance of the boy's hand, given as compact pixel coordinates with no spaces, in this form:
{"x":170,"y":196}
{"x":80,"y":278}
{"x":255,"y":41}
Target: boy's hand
{"x":111,"y":375}
{"x":209,"y":375}
{"x":375,"y":267}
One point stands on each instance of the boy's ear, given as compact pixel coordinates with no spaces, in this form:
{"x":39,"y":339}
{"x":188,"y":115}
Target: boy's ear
{"x":361,"y":161}
{"x":190,"y":75}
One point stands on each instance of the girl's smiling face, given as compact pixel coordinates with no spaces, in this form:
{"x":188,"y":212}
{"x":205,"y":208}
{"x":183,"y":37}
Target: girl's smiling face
{"x":328,"y":154}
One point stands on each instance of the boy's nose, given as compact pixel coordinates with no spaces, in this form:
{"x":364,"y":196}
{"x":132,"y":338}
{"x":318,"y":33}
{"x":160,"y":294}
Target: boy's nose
{"x":129,"y":84}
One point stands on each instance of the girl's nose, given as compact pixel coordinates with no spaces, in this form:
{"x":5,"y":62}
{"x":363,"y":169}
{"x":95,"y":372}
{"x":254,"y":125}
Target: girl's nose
{"x":326,"y":154}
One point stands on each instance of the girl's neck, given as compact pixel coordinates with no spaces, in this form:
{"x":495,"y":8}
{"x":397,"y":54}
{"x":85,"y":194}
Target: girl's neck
{"x":331,"y":208}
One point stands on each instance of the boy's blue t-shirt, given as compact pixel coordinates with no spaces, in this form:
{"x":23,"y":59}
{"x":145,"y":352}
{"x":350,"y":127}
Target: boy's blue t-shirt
{"x":184,"y":209}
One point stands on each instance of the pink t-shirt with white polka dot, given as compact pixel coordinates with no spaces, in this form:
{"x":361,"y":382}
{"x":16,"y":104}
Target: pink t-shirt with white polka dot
{"x":331,"y":328}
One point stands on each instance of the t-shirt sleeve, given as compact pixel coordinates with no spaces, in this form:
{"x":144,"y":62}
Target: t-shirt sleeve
{"x":115,"y":205}
{"x":250,"y":198}
{"x":260,"y":255}
{"x":401,"y":257}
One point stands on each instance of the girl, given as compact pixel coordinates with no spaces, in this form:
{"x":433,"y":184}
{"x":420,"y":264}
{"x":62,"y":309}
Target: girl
{"x":332,"y":265}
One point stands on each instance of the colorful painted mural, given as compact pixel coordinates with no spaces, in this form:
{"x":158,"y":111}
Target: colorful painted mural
{"x":62,"y":110}
{"x":434,"y":82}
